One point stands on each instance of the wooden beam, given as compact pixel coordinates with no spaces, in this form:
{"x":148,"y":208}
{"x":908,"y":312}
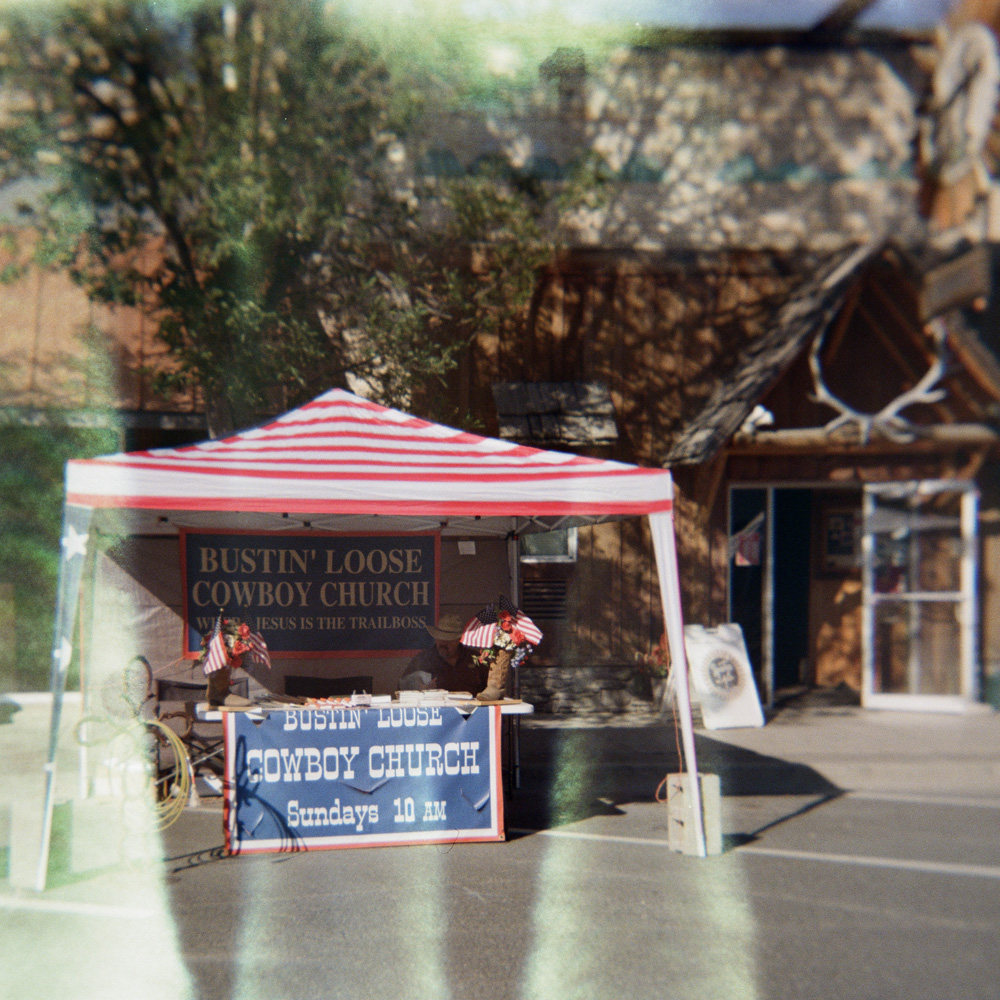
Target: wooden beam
{"x":956,"y":282}
{"x":815,"y":439}
{"x":969,"y":363}
{"x":907,"y":325}
{"x":708,"y":480}
{"x":920,"y":343}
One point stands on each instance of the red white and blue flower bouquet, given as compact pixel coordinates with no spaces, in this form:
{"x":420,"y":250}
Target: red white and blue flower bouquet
{"x":505,"y":637}
{"x":224,"y":650}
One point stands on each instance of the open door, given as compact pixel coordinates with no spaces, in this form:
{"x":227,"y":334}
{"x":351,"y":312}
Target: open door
{"x":919,"y":544}
{"x":769,"y":586}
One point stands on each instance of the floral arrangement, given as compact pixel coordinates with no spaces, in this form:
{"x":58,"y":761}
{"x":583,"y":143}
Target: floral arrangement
{"x":228,"y":643}
{"x":498,"y":628}
{"x":655,"y":663}
{"x":506,"y":636}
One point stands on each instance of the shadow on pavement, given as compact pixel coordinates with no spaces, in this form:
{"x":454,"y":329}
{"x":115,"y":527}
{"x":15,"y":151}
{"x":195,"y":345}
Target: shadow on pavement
{"x":8,"y":709}
{"x":570,"y":774}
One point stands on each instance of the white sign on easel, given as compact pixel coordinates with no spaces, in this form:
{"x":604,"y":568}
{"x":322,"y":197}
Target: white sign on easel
{"x":721,"y":679}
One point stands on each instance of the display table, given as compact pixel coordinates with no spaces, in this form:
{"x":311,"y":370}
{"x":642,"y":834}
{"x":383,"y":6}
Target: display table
{"x":210,"y":713}
{"x":322,"y":776}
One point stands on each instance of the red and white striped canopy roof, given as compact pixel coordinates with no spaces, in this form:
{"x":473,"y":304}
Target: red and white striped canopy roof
{"x":341,"y":454}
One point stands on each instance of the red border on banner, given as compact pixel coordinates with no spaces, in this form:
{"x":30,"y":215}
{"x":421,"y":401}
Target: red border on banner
{"x":312,"y":654}
{"x":497,"y":832}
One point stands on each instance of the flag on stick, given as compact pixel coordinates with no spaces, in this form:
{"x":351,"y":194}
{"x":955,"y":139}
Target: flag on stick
{"x":258,"y":649}
{"x":217,"y":655}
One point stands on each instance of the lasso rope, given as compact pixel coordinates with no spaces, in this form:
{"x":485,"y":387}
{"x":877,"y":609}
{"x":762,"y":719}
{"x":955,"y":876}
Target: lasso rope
{"x":171,"y":799}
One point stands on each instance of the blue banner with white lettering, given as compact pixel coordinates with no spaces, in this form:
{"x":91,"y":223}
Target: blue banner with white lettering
{"x":312,"y":778}
{"x":313,"y":594}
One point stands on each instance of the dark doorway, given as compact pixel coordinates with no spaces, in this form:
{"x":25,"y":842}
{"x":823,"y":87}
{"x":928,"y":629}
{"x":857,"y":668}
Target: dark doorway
{"x":791,"y":573}
{"x":746,"y":571}
{"x":792,"y":534}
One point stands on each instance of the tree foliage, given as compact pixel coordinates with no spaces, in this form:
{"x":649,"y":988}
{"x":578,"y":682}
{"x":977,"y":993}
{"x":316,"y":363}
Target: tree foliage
{"x":32,"y":459}
{"x":229,"y":168}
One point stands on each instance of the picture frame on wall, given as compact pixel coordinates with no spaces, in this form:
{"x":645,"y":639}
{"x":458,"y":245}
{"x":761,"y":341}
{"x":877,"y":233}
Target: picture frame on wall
{"x":839,"y":539}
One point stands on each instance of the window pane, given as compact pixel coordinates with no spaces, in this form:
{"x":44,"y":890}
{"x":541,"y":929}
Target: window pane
{"x":915,"y":645}
{"x":558,"y":545}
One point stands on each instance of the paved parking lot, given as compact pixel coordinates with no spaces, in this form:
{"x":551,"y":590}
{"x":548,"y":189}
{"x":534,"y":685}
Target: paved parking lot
{"x":862,"y":859}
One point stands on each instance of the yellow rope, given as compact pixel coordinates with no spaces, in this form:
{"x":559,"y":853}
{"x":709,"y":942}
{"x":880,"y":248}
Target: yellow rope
{"x":171,"y":801}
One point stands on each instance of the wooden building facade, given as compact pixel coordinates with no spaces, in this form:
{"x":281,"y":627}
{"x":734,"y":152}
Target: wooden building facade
{"x":802,"y":346}
{"x":780,"y":425}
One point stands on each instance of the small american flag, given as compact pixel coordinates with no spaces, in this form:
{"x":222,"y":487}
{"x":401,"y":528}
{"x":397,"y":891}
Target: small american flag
{"x":217,"y":655}
{"x":481,"y":630}
{"x":530,"y":630}
{"x":258,"y":649}
{"x":478,"y":633}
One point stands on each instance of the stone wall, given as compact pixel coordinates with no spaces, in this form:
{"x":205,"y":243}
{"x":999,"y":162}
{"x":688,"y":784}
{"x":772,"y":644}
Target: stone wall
{"x":748,"y":146}
{"x":613,"y":691}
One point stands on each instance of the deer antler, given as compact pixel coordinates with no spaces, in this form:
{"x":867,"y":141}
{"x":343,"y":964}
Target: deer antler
{"x":887,"y":422}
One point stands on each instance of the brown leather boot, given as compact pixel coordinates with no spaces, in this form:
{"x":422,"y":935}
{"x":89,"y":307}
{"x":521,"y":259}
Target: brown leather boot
{"x":496,"y":683}
{"x":218,"y":686}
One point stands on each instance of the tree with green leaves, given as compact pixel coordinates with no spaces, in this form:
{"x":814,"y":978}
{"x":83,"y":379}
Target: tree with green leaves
{"x":223,"y":166}
{"x":32,"y":459}
{"x":230,"y":168}
{"x":234,"y":168}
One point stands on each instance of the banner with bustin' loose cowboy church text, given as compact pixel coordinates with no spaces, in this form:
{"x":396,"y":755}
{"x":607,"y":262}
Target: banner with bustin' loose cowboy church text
{"x":306,"y":778}
{"x":313,"y":594}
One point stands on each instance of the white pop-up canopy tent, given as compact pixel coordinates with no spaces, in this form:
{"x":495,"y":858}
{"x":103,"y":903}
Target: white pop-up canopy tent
{"x":346,"y":464}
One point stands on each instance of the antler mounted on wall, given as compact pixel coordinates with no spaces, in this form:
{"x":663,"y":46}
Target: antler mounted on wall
{"x":887,"y":422}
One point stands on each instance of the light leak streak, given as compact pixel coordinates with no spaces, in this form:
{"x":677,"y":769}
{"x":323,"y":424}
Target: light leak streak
{"x":126,"y":944}
{"x":410,"y":945}
{"x":566,"y":958}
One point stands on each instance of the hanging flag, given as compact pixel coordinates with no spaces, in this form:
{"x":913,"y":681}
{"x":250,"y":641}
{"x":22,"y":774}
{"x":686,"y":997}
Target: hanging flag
{"x":216,"y":655}
{"x":479,"y":633}
{"x":532,"y":633}
{"x":748,"y":550}
{"x":258,"y":649}
{"x":745,"y":545}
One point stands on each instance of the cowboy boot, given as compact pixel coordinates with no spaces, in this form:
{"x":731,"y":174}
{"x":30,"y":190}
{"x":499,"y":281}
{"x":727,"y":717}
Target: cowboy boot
{"x":218,"y":686}
{"x":496,"y":683}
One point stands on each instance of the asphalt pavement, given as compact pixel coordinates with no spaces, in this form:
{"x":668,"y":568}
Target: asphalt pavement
{"x":861,"y":858}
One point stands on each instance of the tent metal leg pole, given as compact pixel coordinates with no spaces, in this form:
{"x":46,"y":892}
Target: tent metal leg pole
{"x":514,"y":566}
{"x":664,"y":546}
{"x":58,"y":689}
{"x":74,"y":545}
{"x":42,"y":871}
{"x":515,"y":737}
